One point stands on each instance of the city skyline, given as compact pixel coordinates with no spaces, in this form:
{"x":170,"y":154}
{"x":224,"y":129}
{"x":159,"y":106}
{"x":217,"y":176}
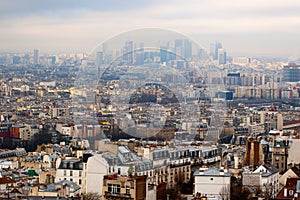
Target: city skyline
{"x":249,"y":28}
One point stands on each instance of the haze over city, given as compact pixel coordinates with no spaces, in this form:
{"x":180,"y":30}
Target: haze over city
{"x":246,"y":28}
{"x":149,"y":100}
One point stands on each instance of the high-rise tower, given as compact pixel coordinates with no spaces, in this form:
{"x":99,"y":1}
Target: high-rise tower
{"x":35,"y":56}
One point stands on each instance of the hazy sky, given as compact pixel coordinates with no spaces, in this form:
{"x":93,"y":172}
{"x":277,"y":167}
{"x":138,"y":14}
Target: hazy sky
{"x":245,"y":27}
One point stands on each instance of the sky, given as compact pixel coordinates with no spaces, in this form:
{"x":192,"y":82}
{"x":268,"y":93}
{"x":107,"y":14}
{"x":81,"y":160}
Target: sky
{"x":245,"y":27}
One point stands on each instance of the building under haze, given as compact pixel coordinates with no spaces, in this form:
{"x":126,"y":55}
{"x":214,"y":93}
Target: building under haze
{"x":35,"y":56}
{"x":291,"y":73}
{"x":99,"y":58}
{"x":222,"y":56}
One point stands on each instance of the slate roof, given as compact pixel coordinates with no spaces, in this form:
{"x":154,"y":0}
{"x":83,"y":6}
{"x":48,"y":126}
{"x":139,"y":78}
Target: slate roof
{"x":212,"y":172}
{"x":52,"y":187}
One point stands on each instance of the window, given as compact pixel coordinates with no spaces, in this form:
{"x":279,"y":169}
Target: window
{"x":114,"y":189}
{"x":127,"y":189}
{"x":80,"y":173}
{"x":71,"y":179}
{"x":71,"y":173}
{"x":79,"y":181}
{"x":211,"y":179}
{"x":119,"y":170}
{"x":65,"y":172}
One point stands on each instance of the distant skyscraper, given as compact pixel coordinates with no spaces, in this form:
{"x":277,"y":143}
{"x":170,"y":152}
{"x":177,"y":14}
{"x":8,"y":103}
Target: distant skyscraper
{"x":163,"y":52}
{"x":128,"y":52}
{"x":16,"y":60}
{"x":183,"y":49}
{"x":35,"y":56}
{"x":217,"y":47}
{"x":99,"y":59}
{"x":214,"y":47}
{"x":179,"y":49}
{"x":53,"y":60}
{"x":222,"y":56}
{"x":139,"y":58}
{"x":291,"y":73}
{"x":202,"y":54}
{"x":187,"y":49}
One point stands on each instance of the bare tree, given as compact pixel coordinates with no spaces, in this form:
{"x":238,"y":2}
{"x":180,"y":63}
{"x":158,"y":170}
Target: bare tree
{"x":225,"y":192}
{"x":267,"y":190}
{"x":92,"y":196}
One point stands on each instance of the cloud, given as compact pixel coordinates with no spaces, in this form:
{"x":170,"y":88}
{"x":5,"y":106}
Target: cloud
{"x":61,"y":24}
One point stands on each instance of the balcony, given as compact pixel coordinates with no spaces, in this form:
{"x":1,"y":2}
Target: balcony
{"x":109,"y":195}
{"x":180,"y":164}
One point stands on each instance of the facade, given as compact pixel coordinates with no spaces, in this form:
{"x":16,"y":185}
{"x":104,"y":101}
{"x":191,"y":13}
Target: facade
{"x":179,"y":167}
{"x":279,"y":151}
{"x":291,"y":190}
{"x":212,"y":182}
{"x":222,"y":56}
{"x":124,"y":187}
{"x":271,"y":120}
{"x":264,"y":178}
{"x":293,"y":172}
{"x":291,"y":73}
{"x":72,"y":170}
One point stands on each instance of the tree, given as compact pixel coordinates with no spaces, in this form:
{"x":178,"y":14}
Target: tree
{"x":91,"y":196}
{"x":40,"y":138}
{"x":267,"y":190}
{"x":225,"y":192}
{"x":237,"y":192}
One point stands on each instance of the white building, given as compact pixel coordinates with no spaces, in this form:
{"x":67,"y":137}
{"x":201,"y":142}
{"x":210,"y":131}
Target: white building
{"x":97,"y":167}
{"x":72,"y":170}
{"x":264,"y":178}
{"x":213,"y":183}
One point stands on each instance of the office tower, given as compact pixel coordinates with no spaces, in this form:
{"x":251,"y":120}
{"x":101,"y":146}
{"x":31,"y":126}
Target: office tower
{"x":178,"y":43}
{"x":222,"y":56}
{"x":179,"y":49}
{"x":139,"y":54}
{"x":16,"y":60}
{"x":163,"y":53}
{"x":202,"y":54}
{"x":183,"y":49}
{"x":128,"y":52}
{"x":291,"y":73}
{"x":218,"y":46}
{"x":214,"y":48}
{"x":26,"y":59}
{"x":35,"y":56}
{"x":139,"y":58}
{"x":53,"y":60}
{"x":187,"y":49}
{"x":99,"y":59}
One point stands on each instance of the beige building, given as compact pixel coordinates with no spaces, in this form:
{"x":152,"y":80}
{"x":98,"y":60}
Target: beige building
{"x":124,"y":187}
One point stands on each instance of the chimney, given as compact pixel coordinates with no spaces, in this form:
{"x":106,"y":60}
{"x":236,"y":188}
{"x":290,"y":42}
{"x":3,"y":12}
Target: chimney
{"x":222,"y":172}
{"x":285,"y":192}
{"x":201,"y":171}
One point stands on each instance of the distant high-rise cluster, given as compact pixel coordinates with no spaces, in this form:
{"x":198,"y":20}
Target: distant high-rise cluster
{"x":218,"y":53}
